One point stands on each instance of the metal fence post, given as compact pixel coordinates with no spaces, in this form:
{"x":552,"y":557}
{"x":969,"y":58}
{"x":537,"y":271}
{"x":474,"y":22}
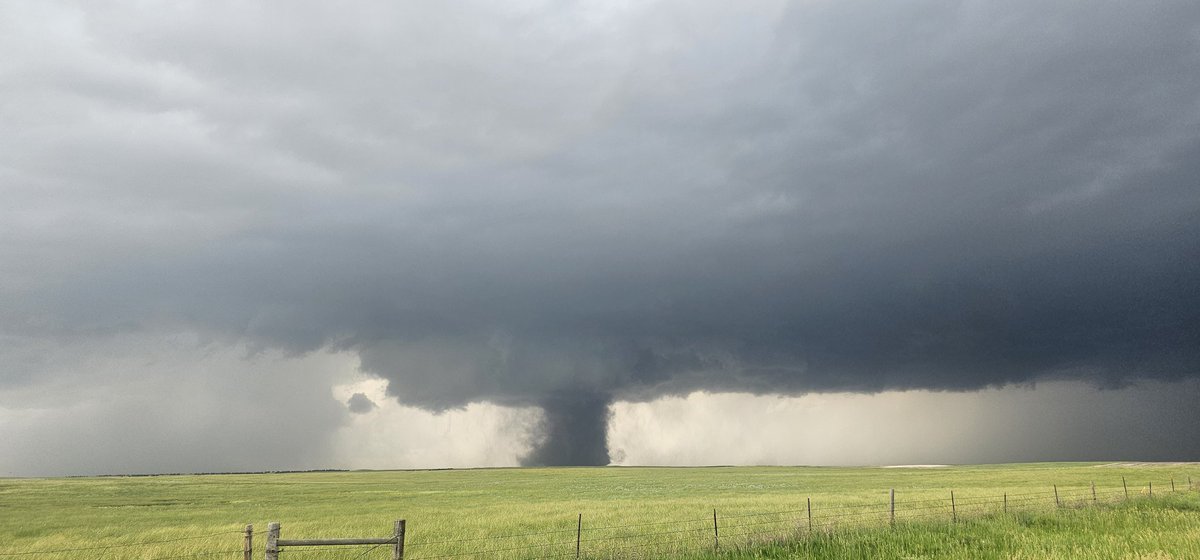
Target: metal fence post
{"x":809,"y":500}
{"x":893,"y":508}
{"x":716,"y":537}
{"x":578,"y":534}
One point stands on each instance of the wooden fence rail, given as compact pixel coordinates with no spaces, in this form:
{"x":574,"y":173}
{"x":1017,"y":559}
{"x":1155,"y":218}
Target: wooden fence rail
{"x":274,"y":543}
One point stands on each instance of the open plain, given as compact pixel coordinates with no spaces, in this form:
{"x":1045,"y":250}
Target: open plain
{"x":999,"y":511}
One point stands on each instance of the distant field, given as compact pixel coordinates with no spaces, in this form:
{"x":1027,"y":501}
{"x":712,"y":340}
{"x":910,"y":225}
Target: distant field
{"x":627,"y":512}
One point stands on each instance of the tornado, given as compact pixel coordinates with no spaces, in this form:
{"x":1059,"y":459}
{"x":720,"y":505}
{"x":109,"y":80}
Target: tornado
{"x":573,"y":431}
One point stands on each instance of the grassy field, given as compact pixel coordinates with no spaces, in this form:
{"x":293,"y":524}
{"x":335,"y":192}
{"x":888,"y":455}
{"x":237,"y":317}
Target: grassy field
{"x":1158,"y":529}
{"x":626,"y":512}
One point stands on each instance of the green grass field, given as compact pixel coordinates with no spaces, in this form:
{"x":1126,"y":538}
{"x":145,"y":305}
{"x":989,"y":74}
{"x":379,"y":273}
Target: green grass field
{"x":627,"y":512}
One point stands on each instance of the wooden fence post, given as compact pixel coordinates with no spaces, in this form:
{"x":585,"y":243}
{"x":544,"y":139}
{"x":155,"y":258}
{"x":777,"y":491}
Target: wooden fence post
{"x":1056,"y":502}
{"x":398,"y":550}
{"x":953,"y":508}
{"x":1093,"y":491}
{"x":716,"y":537}
{"x":272,"y":552}
{"x":1126,"y":487}
{"x":578,"y":534}
{"x":248,"y":543}
{"x":893,"y":511}
{"x":1172,"y":484}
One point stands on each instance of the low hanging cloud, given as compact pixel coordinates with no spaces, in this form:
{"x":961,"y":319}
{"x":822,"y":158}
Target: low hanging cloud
{"x":360,"y":403}
{"x":562,"y":206}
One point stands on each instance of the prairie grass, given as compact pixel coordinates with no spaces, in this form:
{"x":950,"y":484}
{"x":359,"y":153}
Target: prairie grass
{"x":626,"y":513}
{"x":1149,"y":529}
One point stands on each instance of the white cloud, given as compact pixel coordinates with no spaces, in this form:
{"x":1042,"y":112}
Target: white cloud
{"x":1057,"y":420}
{"x":394,"y":436}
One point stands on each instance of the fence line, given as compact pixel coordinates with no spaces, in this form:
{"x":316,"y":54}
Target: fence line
{"x":675,"y":536}
{"x":122,"y":545}
{"x":791,"y":523}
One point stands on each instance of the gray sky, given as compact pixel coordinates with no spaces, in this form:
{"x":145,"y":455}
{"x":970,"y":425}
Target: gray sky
{"x":223,"y":215}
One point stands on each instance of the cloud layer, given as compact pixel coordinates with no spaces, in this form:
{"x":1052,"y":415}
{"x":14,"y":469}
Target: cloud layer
{"x":528,"y":202}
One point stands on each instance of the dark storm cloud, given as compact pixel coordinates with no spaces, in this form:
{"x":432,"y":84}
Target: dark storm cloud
{"x":583,"y":203}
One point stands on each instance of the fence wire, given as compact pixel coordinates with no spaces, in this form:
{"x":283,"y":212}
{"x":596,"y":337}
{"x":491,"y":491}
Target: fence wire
{"x":722,"y":531}
{"x":123,"y":545}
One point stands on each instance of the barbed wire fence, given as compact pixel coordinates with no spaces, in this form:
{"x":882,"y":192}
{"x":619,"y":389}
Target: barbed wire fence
{"x":215,"y":548}
{"x":690,"y":535}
